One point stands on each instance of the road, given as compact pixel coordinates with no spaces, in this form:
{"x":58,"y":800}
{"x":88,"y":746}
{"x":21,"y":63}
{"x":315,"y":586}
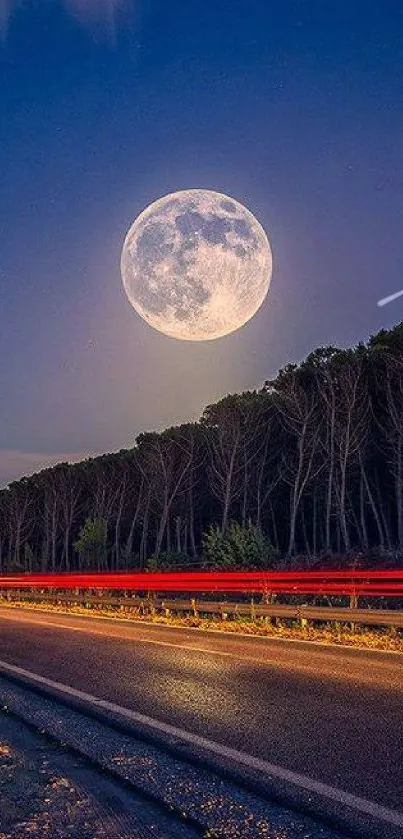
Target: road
{"x":332,"y":713}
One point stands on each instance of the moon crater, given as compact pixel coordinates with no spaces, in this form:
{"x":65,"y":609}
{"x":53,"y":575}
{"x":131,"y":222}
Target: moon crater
{"x":196,"y":265}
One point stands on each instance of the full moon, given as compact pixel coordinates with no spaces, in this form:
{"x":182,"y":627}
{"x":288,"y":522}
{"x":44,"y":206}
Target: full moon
{"x":196,"y":265}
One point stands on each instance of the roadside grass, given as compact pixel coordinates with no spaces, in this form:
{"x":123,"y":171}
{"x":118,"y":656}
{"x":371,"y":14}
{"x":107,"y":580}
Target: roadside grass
{"x":382,"y":638}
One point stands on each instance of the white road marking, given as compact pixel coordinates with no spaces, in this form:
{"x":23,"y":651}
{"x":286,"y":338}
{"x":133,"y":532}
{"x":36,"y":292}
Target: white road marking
{"x":260,"y":662}
{"x":390,"y":298}
{"x":193,"y":629}
{"x":361,"y":805}
{"x":205,"y":650}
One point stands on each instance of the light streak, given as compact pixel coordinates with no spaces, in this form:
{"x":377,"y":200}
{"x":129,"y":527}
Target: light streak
{"x":390,"y":298}
{"x":386,"y":583}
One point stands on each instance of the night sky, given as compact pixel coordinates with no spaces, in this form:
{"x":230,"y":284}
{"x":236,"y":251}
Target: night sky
{"x":292,"y":108}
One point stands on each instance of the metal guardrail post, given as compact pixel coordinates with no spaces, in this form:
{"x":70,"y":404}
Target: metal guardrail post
{"x":150,"y":603}
{"x":252,"y":609}
{"x":303,"y":621}
{"x":165,"y":608}
{"x":353,"y":605}
{"x":224,"y":614}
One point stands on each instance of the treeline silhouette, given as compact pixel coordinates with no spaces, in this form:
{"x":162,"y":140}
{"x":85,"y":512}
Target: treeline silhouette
{"x":312,"y":463}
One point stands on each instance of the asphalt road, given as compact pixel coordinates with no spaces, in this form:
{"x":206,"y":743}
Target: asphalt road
{"x":332,"y":713}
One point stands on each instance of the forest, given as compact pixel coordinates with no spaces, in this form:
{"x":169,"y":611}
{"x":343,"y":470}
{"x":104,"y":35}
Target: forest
{"x":305,"y":469}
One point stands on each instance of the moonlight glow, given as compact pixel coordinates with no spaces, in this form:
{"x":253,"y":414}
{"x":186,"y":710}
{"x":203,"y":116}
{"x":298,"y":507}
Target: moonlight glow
{"x":196,"y":265}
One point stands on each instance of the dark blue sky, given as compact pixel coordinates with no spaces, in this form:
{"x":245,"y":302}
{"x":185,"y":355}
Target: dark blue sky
{"x":293,"y":108}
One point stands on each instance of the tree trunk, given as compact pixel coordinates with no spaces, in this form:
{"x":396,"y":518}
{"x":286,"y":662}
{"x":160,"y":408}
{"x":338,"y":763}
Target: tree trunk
{"x":362,"y":515}
{"x":144,"y":535}
{"x":314,"y":522}
{"x":386,"y":527}
{"x":305,"y":533}
{"x":342,"y":512}
{"x":373,"y":504}
{"x":399,"y":491}
{"x":274,"y":525}
{"x":329,"y":494}
{"x":178,"y":535}
{"x":192,"y":523}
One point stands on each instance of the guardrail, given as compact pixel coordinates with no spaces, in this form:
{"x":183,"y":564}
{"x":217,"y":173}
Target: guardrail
{"x":276,"y":611}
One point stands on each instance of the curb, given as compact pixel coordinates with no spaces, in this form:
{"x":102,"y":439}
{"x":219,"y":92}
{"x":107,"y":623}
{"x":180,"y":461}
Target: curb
{"x":345,"y":814}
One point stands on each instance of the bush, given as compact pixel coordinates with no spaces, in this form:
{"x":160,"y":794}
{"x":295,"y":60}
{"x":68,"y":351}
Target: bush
{"x":239,"y":548}
{"x":169,"y":561}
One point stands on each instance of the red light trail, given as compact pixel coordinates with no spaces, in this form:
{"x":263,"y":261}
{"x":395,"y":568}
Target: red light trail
{"x":386,"y":583}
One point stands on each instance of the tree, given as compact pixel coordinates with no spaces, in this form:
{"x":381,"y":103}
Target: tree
{"x":298,"y":405}
{"x":91,"y":545}
{"x":233,"y":436}
{"x":313,"y":462}
{"x":165,"y":461}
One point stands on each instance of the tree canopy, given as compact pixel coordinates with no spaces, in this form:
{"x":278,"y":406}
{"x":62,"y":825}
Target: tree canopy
{"x":310,"y":464}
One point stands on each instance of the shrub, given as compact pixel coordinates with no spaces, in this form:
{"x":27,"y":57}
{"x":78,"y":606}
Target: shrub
{"x":239,"y":548}
{"x":169,"y":561}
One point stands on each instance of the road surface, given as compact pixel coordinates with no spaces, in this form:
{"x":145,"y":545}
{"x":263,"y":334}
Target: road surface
{"x":332,"y":713}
